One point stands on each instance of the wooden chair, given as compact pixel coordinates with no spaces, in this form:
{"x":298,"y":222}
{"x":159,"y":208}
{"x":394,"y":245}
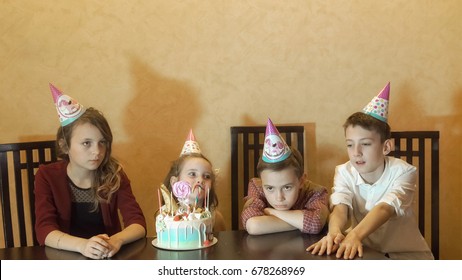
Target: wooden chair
{"x":18,"y":164}
{"x":246,"y":149}
{"x":421,"y":149}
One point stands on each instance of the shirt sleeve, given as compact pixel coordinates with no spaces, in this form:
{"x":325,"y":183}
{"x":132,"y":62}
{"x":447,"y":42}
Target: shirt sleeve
{"x":401,"y":192}
{"x":254,"y":201}
{"x":127,"y":204}
{"x":46,"y":212}
{"x":341,"y":192}
{"x":313,"y":220}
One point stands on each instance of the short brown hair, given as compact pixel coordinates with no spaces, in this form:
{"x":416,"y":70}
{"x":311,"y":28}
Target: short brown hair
{"x":295,"y":160}
{"x":370,"y":123}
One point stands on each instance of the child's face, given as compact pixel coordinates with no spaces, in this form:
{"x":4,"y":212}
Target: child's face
{"x":198,"y":173}
{"x":281,"y":188}
{"x":87,"y":147}
{"x":366,"y":152}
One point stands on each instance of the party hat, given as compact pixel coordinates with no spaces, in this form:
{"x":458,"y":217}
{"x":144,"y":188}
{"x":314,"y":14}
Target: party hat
{"x":68,"y":108}
{"x":378,"y":107}
{"x":275,"y":148}
{"x":190,"y":145}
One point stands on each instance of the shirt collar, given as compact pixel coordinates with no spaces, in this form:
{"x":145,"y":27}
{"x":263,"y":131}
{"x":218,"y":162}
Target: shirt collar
{"x":360,"y":181}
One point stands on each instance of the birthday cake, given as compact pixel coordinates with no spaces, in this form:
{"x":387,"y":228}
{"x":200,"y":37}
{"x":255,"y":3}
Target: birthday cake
{"x":183,"y":225}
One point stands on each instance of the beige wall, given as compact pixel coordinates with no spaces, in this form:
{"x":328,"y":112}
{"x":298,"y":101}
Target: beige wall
{"x":157,"y":68}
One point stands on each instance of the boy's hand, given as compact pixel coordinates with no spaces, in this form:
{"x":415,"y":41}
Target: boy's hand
{"x":350,"y":246}
{"x":247,"y":203}
{"x":328,"y":244}
{"x":269,"y":211}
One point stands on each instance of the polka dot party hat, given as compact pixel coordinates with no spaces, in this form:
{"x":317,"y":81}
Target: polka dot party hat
{"x":190,"y":145}
{"x":378,"y":107}
{"x":68,"y":108}
{"x":275,"y":148}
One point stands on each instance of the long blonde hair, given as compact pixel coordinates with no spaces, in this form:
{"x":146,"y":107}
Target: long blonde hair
{"x":107,"y":177}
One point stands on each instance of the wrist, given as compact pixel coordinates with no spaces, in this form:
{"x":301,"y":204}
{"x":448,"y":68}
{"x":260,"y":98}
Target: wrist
{"x":355,"y":234}
{"x":334,"y":230}
{"x":81,"y":245}
{"x":116,"y":240}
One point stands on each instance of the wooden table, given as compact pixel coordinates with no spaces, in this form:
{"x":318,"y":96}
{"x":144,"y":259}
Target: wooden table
{"x":231,"y":245}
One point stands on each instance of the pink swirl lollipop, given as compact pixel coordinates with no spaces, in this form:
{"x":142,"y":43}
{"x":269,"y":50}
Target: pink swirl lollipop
{"x":181,"y":189}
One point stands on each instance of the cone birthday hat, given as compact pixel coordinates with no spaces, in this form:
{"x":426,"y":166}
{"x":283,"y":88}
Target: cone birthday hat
{"x":68,"y":108}
{"x":190,"y":145}
{"x":275,"y":148}
{"x":378,"y":107}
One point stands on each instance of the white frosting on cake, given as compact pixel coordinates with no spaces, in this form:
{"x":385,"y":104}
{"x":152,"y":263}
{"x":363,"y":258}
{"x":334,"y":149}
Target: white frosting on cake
{"x":186,"y":224}
{"x":192,"y":231}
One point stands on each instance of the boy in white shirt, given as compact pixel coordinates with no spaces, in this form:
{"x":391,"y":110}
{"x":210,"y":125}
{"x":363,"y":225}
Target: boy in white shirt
{"x":372,"y":197}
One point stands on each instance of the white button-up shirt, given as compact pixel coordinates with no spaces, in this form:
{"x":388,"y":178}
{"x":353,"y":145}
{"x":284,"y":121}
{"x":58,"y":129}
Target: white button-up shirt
{"x":395,"y":187}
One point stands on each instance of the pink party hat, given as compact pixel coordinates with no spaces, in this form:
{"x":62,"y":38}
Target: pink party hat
{"x":68,"y":108}
{"x":275,"y":148}
{"x":190,"y":145}
{"x":378,"y":107}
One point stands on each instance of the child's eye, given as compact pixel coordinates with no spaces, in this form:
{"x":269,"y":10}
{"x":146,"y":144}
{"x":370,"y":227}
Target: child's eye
{"x":86,"y":143}
{"x":270,"y":189}
{"x":192,"y":174}
{"x":287,"y":188}
{"x":366,"y":144}
{"x":207,"y":176}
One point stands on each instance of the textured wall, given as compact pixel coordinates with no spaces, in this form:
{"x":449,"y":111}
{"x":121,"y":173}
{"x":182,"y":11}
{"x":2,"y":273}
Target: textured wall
{"x":157,"y":68}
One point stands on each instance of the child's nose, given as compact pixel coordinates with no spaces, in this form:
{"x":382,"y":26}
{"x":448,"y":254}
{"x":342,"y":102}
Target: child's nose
{"x":357,"y":150}
{"x":280,"y":196}
{"x":96,"y":150}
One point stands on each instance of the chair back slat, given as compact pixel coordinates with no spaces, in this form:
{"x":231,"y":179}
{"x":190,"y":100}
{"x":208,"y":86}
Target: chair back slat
{"x":18,"y":164}
{"x":19,"y":194}
{"x":246,"y":149}
{"x":5,"y":200}
{"x":420,"y":152}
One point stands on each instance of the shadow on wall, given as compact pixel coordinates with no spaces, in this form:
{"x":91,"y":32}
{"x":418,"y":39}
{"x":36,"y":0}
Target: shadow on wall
{"x":329,"y":157}
{"x":407,"y":114}
{"x":157,"y":122}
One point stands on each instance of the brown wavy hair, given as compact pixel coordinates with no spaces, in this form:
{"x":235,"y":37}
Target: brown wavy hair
{"x":107,"y":177}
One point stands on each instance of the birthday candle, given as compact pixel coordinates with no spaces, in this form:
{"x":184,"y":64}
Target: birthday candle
{"x":208,"y":198}
{"x":205,"y":199}
{"x":160,"y":202}
{"x":171,"y":203}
